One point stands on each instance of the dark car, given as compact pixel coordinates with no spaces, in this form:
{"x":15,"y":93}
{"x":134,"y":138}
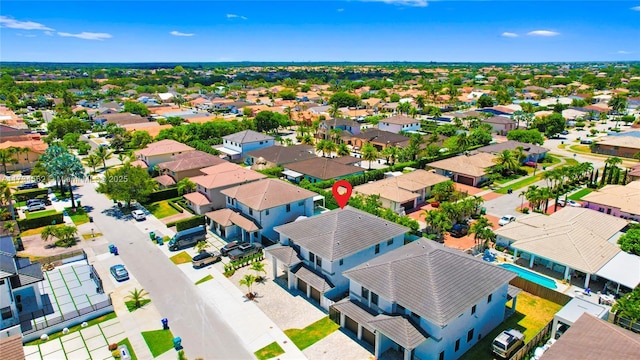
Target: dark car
{"x":244,"y":250}
{"x":459,"y":230}
{"x":27,"y":186}
{"x":227,"y":248}
{"x":26,"y":172}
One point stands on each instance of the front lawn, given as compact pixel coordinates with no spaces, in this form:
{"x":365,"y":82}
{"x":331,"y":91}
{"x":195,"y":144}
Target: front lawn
{"x":131,"y":305}
{"x":206,"y":278}
{"x":303,"y":338}
{"x":37,"y":214}
{"x":131,"y":352}
{"x":105,"y":317}
{"x":79,"y":216}
{"x":520,"y":184}
{"x":35,"y":231}
{"x":180,"y":258}
{"x":161,"y":209}
{"x":578,"y":195}
{"x":158,"y":341}
{"x":269,"y":352}
{"x":532,"y":314}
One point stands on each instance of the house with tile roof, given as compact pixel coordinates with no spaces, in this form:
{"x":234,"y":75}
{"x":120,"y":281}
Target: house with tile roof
{"x":317,"y":250}
{"x":236,"y":146}
{"x":425,"y":301}
{"x":500,"y":124}
{"x":274,"y":156}
{"x":24,"y":160}
{"x":19,"y":280}
{"x":380,"y":139}
{"x":622,"y":146}
{"x":398,"y":123}
{"x":188,"y":164}
{"x":466,"y":169}
{"x":254,"y":209}
{"x":161,"y":151}
{"x":319,"y":169}
{"x":616,"y":200}
{"x":216,"y":178}
{"x":531,"y":152}
{"x":348,"y":128}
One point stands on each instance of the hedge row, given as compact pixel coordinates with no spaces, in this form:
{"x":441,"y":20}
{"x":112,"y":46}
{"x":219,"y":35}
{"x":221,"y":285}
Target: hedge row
{"x":174,"y":205}
{"x":187,"y":223}
{"x":237,"y":264}
{"x":26,"y":224}
{"x":24,"y":195}
{"x":164,"y":194}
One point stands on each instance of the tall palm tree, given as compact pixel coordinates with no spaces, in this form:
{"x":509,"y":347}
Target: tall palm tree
{"x":92,"y":161}
{"x":335,"y":135}
{"x":258,"y":267}
{"x":507,"y":161}
{"x":519,"y":154}
{"x":343,"y":150}
{"x":369,"y":153}
{"x":8,"y":156}
{"x":463,"y":141}
{"x":137,"y":296}
{"x":391,"y":153}
{"x":104,"y":154}
{"x":186,"y":186}
{"x":122,"y":157}
{"x":478,"y":227}
{"x":618,"y":104}
{"x":334,"y":111}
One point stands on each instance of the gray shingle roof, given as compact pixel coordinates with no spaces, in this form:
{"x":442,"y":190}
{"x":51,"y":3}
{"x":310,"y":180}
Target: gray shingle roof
{"x":285,"y":254}
{"x":431,"y":280}
{"x":356,"y":311}
{"x":314,"y":280}
{"x":6,"y":246}
{"x":247,"y":136}
{"x":339,"y":233}
{"x":399,"y":329}
{"x":284,"y":154}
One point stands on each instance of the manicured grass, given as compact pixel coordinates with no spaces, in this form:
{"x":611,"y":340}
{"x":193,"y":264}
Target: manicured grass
{"x":161,"y":209}
{"x":59,"y":196}
{"x":37,"y":214}
{"x":303,"y":338}
{"x":158,"y":341}
{"x":580,"y":148}
{"x":35,"y":231}
{"x":181,"y":258}
{"x":206,"y":278}
{"x":20,"y":204}
{"x":79,"y":216}
{"x":131,"y":352}
{"x":269,"y":352}
{"x":131,"y":305}
{"x":508,"y":178}
{"x":571,"y":162}
{"x":520,"y":184}
{"x":532,"y":314}
{"x":105,"y":317}
{"x":91,"y":236}
{"x":580,"y":194}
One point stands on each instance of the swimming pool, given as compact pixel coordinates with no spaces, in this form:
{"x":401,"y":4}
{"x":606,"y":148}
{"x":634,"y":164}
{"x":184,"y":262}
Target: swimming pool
{"x":531,"y":276}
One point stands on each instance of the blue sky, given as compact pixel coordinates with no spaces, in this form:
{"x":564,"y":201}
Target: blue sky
{"x":305,"y":30}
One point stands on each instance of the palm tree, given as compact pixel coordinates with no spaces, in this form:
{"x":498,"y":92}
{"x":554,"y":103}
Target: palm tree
{"x":335,"y":135}
{"x":258,"y":267}
{"x":7,"y":156}
{"x":137,"y":296}
{"x":391,"y":153}
{"x":48,"y":233}
{"x":122,"y":157}
{"x":103,"y":154}
{"x":613,"y":161}
{"x":343,"y":150}
{"x":9,"y":226}
{"x":463,"y":141}
{"x":478,"y":228}
{"x":519,"y":154}
{"x":507,"y":161}
{"x":307,"y":139}
{"x":618,"y":104}
{"x":93,"y":161}
{"x":334,"y":111}
{"x":329,"y":147}
{"x":420,"y":101}
{"x":369,"y":153}
{"x":248,"y":280}
{"x":186,"y":186}
{"x":202,"y":245}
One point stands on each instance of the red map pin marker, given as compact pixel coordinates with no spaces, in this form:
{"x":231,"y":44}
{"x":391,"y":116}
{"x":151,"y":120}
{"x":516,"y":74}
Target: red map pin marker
{"x":342,"y":192}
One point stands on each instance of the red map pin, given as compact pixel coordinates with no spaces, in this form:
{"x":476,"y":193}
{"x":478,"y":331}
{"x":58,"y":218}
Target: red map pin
{"x":342,"y":192}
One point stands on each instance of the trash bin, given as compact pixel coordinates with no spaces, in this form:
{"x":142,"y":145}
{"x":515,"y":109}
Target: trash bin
{"x":177,"y":343}
{"x":112,"y":248}
{"x":78,"y":204}
{"x":165,"y":324}
{"x":152,"y":235}
{"x":90,"y":219}
{"x":159,"y":240}
{"x":483,"y":211}
{"x":115,"y":250}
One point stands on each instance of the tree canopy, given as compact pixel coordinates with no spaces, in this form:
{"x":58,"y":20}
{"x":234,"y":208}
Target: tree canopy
{"x":550,"y":125}
{"x":136,"y":108}
{"x":343,"y":99}
{"x":532,"y":136}
{"x":127,"y":183}
{"x":630,"y":242}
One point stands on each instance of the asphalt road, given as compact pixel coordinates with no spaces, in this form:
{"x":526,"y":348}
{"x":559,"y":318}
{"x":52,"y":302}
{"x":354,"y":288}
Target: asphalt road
{"x":191,"y":316}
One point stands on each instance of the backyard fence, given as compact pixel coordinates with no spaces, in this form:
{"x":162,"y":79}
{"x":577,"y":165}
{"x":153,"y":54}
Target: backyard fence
{"x":541,"y":291}
{"x":29,"y":324}
{"x":533,"y":343}
{"x":63,"y":258}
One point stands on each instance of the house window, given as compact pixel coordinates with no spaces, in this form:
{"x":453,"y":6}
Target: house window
{"x":301,"y":203}
{"x":341,"y":262}
{"x":6,"y":313}
{"x":312,"y":257}
{"x":364,"y":293}
{"x":470,"y":335}
{"x":228,"y":200}
{"x":489,"y":298}
{"x":457,"y":345}
{"x":250,"y":211}
{"x":261,"y":142}
{"x":473,"y":310}
{"x":319,"y":261}
{"x":389,"y":242}
{"x":2,"y":282}
{"x":377,"y":249}
{"x":374,"y":298}
{"x":266,"y":212}
{"x":441,"y":357}
{"x":400,"y":309}
{"x":288,"y":207}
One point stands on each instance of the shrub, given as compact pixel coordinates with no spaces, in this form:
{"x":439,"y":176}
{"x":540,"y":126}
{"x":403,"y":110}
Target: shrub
{"x":24,"y":195}
{"x":174,"y":205}
{"x":189,"y":223}
{"x":33,"y":223}
{"x":164,"y":194}
{"x":116,"y":354}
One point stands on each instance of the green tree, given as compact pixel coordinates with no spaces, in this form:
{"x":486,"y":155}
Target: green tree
{"x":137,"y":296}
{"x":140,"y":139}
{"x":59,"y":127}
{"x":286,"y":94}
{"x":8,"y":156}
{"x":630,"y":242}
{"x":68,"y":168}
{"x":127,"y":183}
{"x":507,"y":161}
{"x":266,"y":121}
{"x":391,"y":154}
{"x":136,"y":108}
{"x":369,"y":153}
{"x":248,"y":280}
{"x":342,"y":150}
{"x":92,"y":161}
{"x":258,"y":267}
{"x":484,"y":101}
{"x":103,"y":154}
{"x":628,"y":306}
{"x":443,"y":191}
{"x":550,"y":125}
{"x":343,"y":99}
{"x":618,"y":105}
{"x":532,"y":136}
{"x":202,"y":245}
{"x":186,"y":186}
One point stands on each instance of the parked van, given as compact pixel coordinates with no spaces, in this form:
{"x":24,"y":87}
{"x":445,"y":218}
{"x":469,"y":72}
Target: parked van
{"x":507,"y":343}
{"x":187,"y":238}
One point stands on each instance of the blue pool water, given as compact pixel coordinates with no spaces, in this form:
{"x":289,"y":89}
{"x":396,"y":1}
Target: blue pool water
{"x":531,"y":276}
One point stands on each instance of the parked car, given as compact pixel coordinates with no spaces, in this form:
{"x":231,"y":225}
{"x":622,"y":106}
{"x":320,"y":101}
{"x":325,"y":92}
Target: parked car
{"x":44,"y":198}
{"x":205,"y":258}
{"x":26,"y":172}
{"x":119,"y":272}
{"x":564,"y":132}
{"x":33,"y":201}
{"x":571,"y":203}
{"x":187,"y":238}
{"x":507,"y":343}
{"x":459,"y":230}
{"x":27,"y":186}
{"x":227,"y":248}
{"x":36,"y":206}
{"x":506,"y":219}
{"x":245,"y":250}
{"x":586,"y":141}
{"x":138,"y":215}
{"x":531,"y":163}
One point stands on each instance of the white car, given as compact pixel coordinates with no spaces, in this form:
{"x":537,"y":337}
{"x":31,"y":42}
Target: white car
{"x":138,"y":215}
{"x":571,"y":203}
{"x":506,"y":219}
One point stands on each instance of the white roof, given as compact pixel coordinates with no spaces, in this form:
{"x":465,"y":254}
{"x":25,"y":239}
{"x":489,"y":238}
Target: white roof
{"x":571,"y":312}
{"x":165,"y":96}
{"x":624,"y":269}
{"x":292,"y":173}
{"x":227,"y":150}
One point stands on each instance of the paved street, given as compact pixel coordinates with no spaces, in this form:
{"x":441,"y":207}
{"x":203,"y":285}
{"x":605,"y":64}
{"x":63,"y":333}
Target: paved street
{"x":190,"y":315}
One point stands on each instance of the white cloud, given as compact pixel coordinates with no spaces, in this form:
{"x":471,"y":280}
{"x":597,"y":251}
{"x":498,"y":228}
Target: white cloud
{"x":236,"y":16}
{"x":87,"y":35}
{"x":543,"y":33}
{"x":26,"y":35}
{"x":624,"y":52}
{"x":178,"y":33}
{"x":414,"y":3}
{"x":509,"y":34}
{"x":340,"y":10}
{"x":636,"y":8}
{"x":48,"y":33}
{"x":8,"y":22}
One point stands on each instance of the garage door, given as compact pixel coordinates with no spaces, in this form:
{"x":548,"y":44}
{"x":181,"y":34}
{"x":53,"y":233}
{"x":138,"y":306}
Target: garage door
{"x":368,"y":337}
{"x":408,"y":205}
{"x":351,"y":325}
{"x":302,"y":286}
{"x":465,"y":180}
{"x":315,"y":294}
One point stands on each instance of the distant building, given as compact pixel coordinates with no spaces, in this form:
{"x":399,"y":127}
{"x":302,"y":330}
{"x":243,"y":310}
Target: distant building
{"x":398,"y":123}
{"x":236,"y":146}
{"x":622,"y":146}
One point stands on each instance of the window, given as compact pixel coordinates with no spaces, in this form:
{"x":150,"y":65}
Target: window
{"x":374,"y":298}
{"x":301,"y":203}
{"x":341,"y":262}
{"x":457,"y":345}
{"x":470,"y":335}
{"x":250,"y":211}
{"x":377,"y":249}
{"x":441,"y":357}
{"x":2,"y":282}
{"x":389,"y":242}
{"x":364,"y":293}
{"x":266,"y":212}
{"x":312,"y":257}
{"x":6,"y":313}
{"x":473,"y":310}
{"x":288,"y":207}
{"x":489,"y":298}
{"x":228,"y":200}
{"x":400,"y":309}
{"x":319,"y":261}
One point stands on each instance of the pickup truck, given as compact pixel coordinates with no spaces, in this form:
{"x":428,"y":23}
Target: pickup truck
{"x":244,"y":250}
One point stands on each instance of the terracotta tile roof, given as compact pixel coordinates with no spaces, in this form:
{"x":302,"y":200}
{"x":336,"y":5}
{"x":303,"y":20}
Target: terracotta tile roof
{"x":37,"y":146}
{"x":139,"y":163}
{"x":323,"y":168}
{"x":400,"y":120}
{"x":267,"y":194}
{"x":165,"y":180}
{"x":191,"y":160}
{"x":228,"y":217}
{"x":281,"y":155}
{"x":151,"y":127}
{"x":162,"y":147}
{"x":197,"y":198}
{"x":474,"y":165}
{"x":226,"y":174}
{"x":11,"y":348}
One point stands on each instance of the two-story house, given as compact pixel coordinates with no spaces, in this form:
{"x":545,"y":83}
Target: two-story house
{"x":320,"y":169}
{"x":317,"y":250}
{"x":398,"y":123}
{"x":335,"y":129}
{"x":188,"y":164}
{"x":425,"y":301}
{"x":275,"y":156}
{"x":236,"y":146}
{"x":216,"y":178}
{"x":161,"y":151}
{"x":254,"y":209}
